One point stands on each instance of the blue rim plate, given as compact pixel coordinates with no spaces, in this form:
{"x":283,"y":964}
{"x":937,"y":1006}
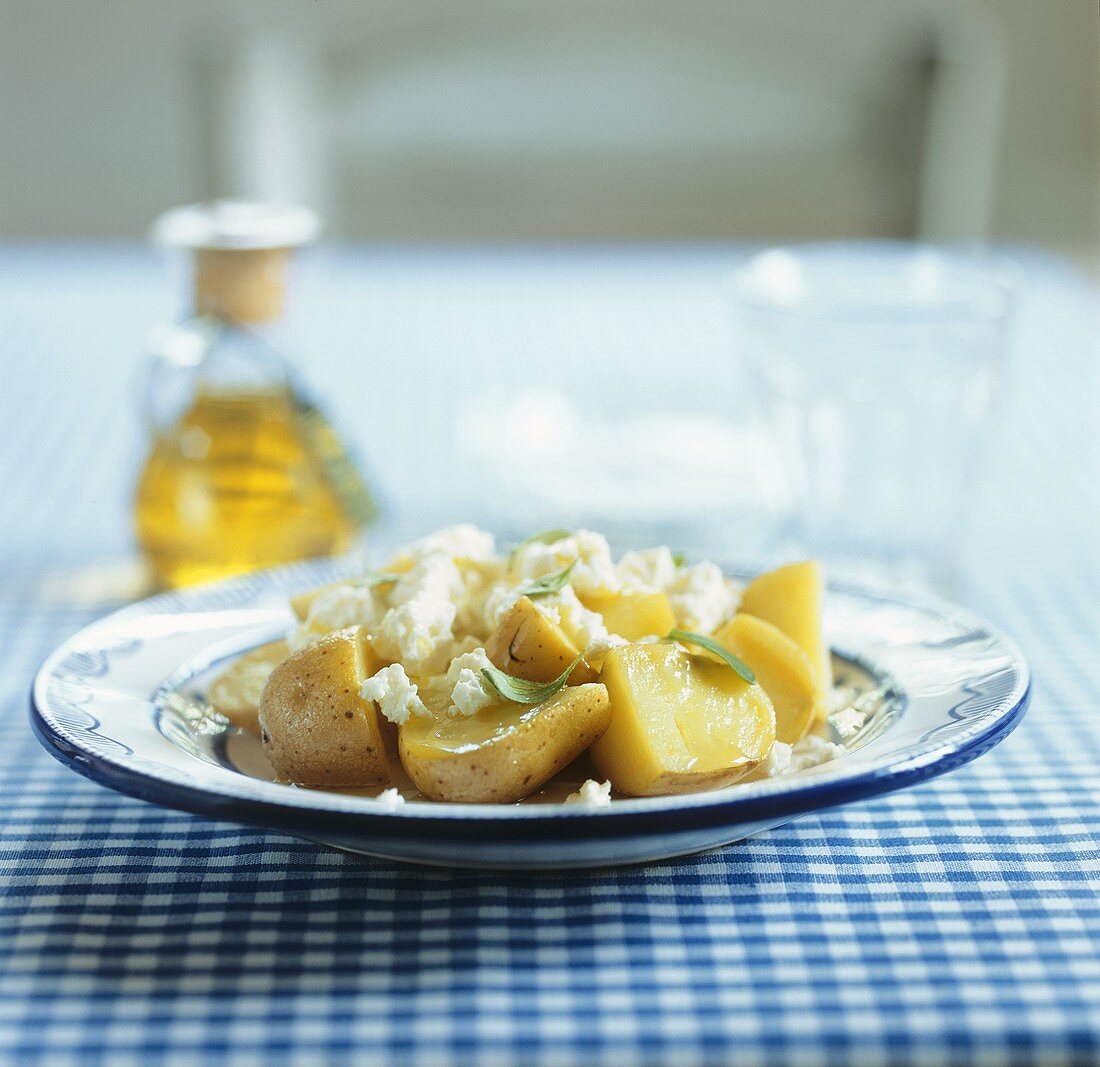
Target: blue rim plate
{"x":954,"y":687}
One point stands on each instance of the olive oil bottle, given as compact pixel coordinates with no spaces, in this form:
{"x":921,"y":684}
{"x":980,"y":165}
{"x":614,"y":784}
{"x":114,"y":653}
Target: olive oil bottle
{"x":243,"y":471}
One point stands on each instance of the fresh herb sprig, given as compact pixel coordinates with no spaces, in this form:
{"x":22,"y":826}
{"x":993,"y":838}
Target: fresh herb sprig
{"x":376,"y":578}
{"x":549,"y":583}
{"x":737,"y":666}
{"x":521,"y":691}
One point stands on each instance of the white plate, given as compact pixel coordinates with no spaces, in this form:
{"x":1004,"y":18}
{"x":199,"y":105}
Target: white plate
{"x":113,"y":703}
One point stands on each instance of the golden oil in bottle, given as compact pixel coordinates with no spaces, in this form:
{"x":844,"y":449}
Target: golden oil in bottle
{"x":243,"y":472}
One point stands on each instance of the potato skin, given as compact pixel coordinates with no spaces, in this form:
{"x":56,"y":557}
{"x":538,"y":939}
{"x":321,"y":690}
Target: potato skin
{"x":316,"y":729}
{"x":527,"y":644}
{"x":675,"y":783}
{"x":517,"y":761}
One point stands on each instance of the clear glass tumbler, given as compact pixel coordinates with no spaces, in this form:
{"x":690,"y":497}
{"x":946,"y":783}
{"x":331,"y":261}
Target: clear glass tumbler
{"x":874,"y":367}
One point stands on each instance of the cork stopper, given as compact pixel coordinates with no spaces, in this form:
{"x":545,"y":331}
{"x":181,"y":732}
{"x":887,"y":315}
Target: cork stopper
{"x":241,"y":254}
{"x":246,"y":286}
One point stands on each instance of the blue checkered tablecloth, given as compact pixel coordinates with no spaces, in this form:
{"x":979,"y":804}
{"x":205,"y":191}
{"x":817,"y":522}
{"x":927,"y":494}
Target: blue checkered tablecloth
{"x":955,"y":922}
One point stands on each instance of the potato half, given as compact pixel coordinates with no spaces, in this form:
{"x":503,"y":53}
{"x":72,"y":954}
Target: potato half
{"x":528,"y":644}
{"x":316,"y":728}
{"x":633,"y":613}
{"x":236,"y":692}
{"x":781,"y":667}
{"x":792,"y":598}
{"x":506,"y":751}
{"x":679,"y":723}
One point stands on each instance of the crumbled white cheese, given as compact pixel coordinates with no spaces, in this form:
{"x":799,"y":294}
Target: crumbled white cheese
{"x":653,"y":569}
{"x":778,"y":761}
{"x":593,"y":794}
{"x":594,"y":571}
{"x":703,"y":597}
{"x":498,"y":602}
{"x":433,"y":576}
{"x":335,"y":609}
{"x":391,"y":798}
{"x":394,"y":693}
{"x":847,"y":722}
{"x":417,"y":632}
{"x":584,"y":628}
{"x":812,"y":751}
{"x":461,"y":542}
{"x":469,"y":691}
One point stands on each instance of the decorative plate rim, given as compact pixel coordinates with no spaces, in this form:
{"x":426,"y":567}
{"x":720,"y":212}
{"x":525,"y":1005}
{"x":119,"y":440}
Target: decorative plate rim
{"x":253,"y":800}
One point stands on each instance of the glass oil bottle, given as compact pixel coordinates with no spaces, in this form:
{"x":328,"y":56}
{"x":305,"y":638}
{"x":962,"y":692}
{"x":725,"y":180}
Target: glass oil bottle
{"x":243,"y":471}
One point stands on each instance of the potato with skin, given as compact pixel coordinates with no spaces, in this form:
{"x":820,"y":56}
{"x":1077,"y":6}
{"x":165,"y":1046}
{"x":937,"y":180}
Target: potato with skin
{"x":679,"y":723}
{"x":236,"y":692}
{"x":633,"y":613}
{"x":791,"y":598}
{"x":316,"y":728}
{"x":506,"y":751}
{"x":782,"y":669}
{"x":528,"y":644}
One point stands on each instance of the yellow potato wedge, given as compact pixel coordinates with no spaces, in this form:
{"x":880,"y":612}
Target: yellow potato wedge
{"x":528,"y":644}
{"x":791,"y":598}
{"x":236,"y":692}
{"x":679,"y":723}
{"x":506,"y":751}
{"x":782,"y":669}
{"x":316,"y":729}
{"x":633,"y":613}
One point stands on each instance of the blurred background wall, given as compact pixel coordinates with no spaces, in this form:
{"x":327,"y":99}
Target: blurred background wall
{"x":502,"y":120}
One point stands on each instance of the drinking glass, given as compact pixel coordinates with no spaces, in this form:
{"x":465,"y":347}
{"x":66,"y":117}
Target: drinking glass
{"x":874,"y":367}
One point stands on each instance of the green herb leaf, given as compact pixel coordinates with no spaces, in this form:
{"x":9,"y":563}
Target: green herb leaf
{"x":688,"y":638}
{"x":550,"y":583}
{"x":522,"y":691}
{"x":679,"y":559}
{"x":373,"y":578}
{"x":547,"y":537}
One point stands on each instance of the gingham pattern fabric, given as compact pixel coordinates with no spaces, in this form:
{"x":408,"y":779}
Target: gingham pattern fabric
{"x":955,"y":922}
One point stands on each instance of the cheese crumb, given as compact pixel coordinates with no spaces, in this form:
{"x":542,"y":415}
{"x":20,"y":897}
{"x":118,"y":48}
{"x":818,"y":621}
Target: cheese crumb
{"x":391,"y":798}
{"x":394,"y":693}
{"x":779,"y":760}
{"x":417,"y":632}
{"x":651,"y":570}
{"x":812,"y":751}
{"x":463,"y":541}
{"x":594,"y":571}
{"x":469,"y":692}
{"x":584,"y":628}
{"x":336,"y":609}
{"x":703,"y":597}
{"x":592,"y":794}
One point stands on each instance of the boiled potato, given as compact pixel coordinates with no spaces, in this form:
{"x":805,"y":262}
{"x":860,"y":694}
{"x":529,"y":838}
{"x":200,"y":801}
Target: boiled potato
{"x":679,"y":723}
{"x":316,"y":729}
{"x":506,"y":751}
{"x":791,"y":598}
{"x":528,"y":644}
{"x":633,"y":613}
{"x":236,"y":692}
{"x":783,"y":670}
